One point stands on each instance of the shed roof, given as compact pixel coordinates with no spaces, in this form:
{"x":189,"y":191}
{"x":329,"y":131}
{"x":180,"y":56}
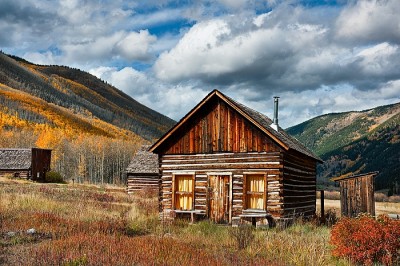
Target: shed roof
{"x":258,"y":119}
{"x":15,"y":159}
{"x":343,"y":177}
{"x":143,"y":162}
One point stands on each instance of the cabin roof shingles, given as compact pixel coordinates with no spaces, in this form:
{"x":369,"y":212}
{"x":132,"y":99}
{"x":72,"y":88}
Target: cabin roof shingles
{"x":15,"y":159}
{"x":143,"y":162}
{"x":281,"y":134}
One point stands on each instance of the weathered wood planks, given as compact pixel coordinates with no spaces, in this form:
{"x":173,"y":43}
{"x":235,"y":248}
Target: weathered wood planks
{"x":357,"y":194}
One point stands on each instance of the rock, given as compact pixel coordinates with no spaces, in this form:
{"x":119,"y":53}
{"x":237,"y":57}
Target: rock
{"x":11,"y":234}
{"x":31,"y":231}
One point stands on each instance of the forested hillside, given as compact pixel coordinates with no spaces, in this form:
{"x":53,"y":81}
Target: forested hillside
{"x":93,"y":128}
{"x":356,"y":142}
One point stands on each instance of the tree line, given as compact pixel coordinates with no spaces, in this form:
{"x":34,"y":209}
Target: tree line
{"x":85,"y":158}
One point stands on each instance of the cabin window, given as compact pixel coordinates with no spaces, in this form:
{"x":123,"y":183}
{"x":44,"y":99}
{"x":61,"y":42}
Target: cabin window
{"x":183,"y":192}
{"x":255,"y":191}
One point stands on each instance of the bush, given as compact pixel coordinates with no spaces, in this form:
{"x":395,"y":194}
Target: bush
{"x":330,"y":217}
{"x":243,"y":235}
{"x":394,"y":198}
{"x":54,"y":177}
{"x":380,"y":197}
{"x":366,"y":240}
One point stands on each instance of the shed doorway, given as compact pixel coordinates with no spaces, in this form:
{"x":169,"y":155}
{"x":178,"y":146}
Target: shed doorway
{"x":219,"y":195}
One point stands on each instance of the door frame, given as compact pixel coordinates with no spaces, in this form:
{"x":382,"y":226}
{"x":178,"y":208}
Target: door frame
{"x":230,"y":191}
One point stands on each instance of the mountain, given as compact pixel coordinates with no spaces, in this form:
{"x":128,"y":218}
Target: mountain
{"x":356,"y":142}
{"x":92,"y":128}
{"x":81,"y":95}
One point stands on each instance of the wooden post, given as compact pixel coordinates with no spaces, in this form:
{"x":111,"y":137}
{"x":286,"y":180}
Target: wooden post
{"x":322,"y":204}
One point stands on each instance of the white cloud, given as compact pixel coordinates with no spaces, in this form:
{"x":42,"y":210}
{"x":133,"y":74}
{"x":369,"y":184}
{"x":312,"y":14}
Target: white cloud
{"x":378,"y":59}
{"x":46,"y":58}
{"x":128,"y":79}
{"x":135,"y":46}
{"x":173,"y":101}
{"x":219,"y":47}
{"x":129,"y":46}
{"x":374,"y":20}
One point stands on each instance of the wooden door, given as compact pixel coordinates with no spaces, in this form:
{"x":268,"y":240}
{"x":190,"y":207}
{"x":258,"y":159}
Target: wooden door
{"x":219,"y":198}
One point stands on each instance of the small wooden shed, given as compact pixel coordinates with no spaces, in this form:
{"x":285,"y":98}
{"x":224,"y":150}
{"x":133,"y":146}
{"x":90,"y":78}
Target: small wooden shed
{"x":357,"y":194}
{"x":142,"y":172}
{"x":230,"y":163}
{"x":25,"y":163}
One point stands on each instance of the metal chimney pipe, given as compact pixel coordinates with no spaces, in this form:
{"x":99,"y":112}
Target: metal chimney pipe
{"x":276,"y":101}
{"x":274,"y":124}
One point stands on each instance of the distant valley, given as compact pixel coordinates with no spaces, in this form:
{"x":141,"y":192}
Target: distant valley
{"x":356,"y":142}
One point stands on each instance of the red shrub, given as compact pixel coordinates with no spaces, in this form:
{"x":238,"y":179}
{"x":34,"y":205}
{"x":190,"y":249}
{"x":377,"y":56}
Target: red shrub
{"x":366,"y":240}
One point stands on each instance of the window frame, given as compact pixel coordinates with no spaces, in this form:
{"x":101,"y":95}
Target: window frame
{"x":246,"y":192}
{"x":176,"y":193}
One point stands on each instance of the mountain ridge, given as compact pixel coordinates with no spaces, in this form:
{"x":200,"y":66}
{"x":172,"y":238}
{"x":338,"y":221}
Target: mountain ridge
{"x":92,"y":128}
{"x":355,"y":142}
{"x":83,"y":93}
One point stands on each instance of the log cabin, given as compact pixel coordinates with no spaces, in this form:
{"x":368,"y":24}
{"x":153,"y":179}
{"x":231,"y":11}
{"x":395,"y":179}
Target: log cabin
{"x":25,"y":163}
{"x":142,"y":172}
{"x":231,"y":164}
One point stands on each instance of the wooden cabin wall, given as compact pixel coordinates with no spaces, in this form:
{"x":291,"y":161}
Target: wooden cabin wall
{"x":138,"y":182}
{"x":41,"y":160}
{"x":13,"y":173}
{"x":236,"y":164}
{"x":299,"y":185}
{"x":220,"y":129}
{"x":357,"y":196}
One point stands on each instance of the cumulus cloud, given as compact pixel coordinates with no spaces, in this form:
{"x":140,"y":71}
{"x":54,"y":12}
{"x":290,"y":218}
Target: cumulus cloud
{"x":173,"y":101}
{"x":135,"y":45}
{"x":223,"y":52}
{"x":287,"y":49}
{"x":129,"y":46}
{"x":127,"y":79}
{"x":370,"y":21}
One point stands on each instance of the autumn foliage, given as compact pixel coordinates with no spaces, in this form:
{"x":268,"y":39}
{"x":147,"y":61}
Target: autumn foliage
{"x":367,"y":240}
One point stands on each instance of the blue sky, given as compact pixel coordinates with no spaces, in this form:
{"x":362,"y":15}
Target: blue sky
{"x":318,"y":56}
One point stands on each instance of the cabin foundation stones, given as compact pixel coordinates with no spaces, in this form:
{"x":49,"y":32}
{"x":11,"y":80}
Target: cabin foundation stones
{"x":231,"y":164}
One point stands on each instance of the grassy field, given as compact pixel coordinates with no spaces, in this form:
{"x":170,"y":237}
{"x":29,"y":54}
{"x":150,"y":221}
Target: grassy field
{"x":90,"y":225}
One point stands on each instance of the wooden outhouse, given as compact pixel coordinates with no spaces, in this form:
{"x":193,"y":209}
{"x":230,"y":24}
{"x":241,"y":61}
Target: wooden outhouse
{"x":142,"y":172}
{"x":357,"y":194}
{"x":229,"y":163}
{"x":25,"y":163}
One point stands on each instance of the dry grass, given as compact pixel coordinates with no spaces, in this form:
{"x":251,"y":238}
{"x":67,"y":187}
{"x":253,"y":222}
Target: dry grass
{"x":380,"y":207}
{"x":89,"y":225}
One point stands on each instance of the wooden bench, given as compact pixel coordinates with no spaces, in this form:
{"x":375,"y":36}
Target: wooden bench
{"x":254,"y":214}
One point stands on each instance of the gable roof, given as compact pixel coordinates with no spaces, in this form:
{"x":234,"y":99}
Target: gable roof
{"x":143,"y":162}
{"x":258,"y":119}
{"x":15,"y":159}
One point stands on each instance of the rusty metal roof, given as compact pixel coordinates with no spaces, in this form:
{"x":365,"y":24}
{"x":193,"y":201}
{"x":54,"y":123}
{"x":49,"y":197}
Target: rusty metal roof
{"x":15,"y":159}
{"x":143,"y":162}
